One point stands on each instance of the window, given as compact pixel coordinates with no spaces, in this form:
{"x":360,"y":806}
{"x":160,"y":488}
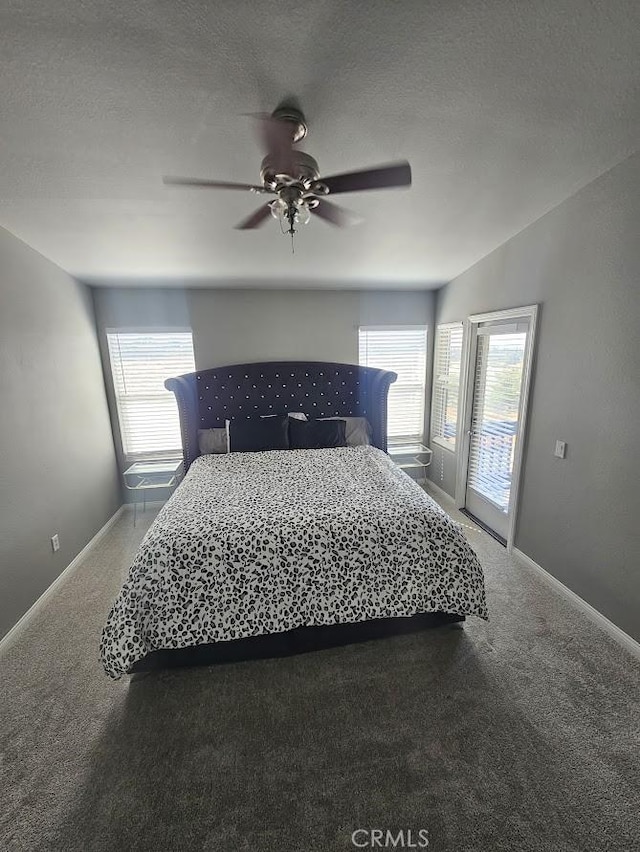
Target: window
{"x":402,"y":349}
{"x":446,"y":384}
{"x":147,"y":411}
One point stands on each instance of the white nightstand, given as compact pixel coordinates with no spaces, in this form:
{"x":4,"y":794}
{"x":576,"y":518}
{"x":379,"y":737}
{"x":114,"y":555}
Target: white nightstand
{"x":410,"y":456}
{"x":149,"y":475}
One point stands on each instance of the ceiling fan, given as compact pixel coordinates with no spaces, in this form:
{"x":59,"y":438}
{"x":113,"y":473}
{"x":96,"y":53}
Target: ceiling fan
{"x":294,"y":178}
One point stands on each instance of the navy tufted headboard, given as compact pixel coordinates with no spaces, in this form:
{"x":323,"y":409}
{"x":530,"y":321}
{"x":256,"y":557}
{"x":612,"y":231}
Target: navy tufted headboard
{"x":320,"y":389}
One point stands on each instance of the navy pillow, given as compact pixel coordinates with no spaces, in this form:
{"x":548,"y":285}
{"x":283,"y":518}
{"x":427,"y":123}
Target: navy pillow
{"x":255,"y":434}
{"x":317,"y":434}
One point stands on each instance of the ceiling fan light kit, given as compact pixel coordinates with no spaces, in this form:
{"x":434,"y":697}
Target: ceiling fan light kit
{"x":294,"y":178}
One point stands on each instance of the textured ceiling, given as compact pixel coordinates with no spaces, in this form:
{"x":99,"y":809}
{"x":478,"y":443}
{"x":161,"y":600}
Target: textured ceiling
{"x":503,"y":107}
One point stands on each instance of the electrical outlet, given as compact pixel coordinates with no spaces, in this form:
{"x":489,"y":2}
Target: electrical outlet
{"x":561,"y":450}
{"x":55,"y":543}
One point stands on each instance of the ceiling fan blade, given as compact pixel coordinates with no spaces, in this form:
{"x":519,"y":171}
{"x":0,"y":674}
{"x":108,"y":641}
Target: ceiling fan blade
{"x":257,"y":218}
{"x":210,"y":184}
{"x":394,"y":174}
{"x":277,"y":139}
{"x":335,"y":215}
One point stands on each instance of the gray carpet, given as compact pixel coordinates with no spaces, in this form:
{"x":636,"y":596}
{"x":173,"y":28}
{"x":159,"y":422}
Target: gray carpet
{"x":520,"y":734}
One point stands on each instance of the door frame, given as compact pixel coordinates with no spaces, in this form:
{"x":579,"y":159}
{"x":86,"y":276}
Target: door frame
{"x":469,"y":347}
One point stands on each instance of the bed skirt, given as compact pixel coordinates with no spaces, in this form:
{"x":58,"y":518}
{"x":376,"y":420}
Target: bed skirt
{"x":299,"y":641}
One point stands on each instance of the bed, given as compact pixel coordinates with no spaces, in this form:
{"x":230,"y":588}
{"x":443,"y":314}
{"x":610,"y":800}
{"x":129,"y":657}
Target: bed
{"x":269,"y":553}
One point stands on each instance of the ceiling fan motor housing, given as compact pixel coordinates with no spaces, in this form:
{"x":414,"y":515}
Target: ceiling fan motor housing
{"x":303,"y":169}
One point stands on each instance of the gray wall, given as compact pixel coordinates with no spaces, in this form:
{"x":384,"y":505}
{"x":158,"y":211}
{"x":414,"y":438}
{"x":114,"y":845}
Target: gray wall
{"x":57,"y":465}
{"x":234,"y":326}
{"x":579,"y":518}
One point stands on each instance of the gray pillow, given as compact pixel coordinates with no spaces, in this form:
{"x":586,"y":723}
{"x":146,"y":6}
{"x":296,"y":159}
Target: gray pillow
{"x":213,"y":441}
{"x":358,"y":430}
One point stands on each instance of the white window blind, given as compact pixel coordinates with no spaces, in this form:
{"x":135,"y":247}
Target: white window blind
{"x":147,"y":411}
{"x":403,"y":350}
{"x":447,"y":360}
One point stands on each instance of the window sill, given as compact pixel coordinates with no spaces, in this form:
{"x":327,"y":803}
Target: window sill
{"x":444,"y":445}
{"x":130,"y":458}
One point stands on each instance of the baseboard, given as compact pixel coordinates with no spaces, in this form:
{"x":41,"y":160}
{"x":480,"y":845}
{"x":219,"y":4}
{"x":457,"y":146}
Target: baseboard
{"x":151,"y":504}
{"x":8,"y":638}
{"x":627,"y":642}
{"x":440,"y":493}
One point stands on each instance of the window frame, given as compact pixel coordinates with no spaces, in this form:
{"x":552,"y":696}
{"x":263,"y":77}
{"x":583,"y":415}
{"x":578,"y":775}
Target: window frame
{"x":423,"y":327}
{"x":441,"y":440}
{"x":129,"y":456}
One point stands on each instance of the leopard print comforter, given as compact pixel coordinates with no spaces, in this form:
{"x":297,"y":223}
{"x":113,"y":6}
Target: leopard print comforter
{"x":256,"y":543}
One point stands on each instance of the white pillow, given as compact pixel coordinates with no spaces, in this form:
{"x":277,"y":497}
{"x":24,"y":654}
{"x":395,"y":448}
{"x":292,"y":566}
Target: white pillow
{"x":295,"y":415}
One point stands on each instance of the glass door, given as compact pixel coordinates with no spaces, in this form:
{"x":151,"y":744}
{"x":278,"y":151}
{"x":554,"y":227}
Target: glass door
{"x":493,"y":429}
